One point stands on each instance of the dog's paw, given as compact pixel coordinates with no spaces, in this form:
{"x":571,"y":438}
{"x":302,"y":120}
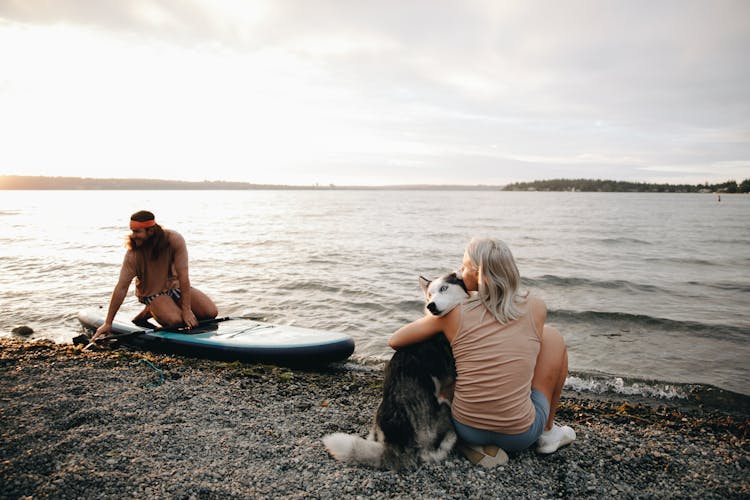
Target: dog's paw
{"x":339,"y":445}
{"x":349,"y":448}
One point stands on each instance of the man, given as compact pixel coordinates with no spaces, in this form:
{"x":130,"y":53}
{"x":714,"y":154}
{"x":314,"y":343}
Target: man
{"x":158,"y":260}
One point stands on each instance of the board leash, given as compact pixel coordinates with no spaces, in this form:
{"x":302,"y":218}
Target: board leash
{"x":158,"y":370}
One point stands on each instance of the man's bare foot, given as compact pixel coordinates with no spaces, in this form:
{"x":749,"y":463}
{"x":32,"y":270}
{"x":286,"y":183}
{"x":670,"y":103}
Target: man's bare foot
{"x":142,"y":318}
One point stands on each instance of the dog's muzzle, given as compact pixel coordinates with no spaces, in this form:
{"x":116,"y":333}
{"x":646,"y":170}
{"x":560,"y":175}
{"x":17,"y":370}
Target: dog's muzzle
{"x":433,"y":309}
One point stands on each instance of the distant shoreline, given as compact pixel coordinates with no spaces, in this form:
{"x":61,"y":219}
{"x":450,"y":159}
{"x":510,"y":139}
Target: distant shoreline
{"x":29,"y":183}
{"x":14,"y":182}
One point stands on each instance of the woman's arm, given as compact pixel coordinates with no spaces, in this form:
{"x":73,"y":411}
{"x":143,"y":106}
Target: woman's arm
{"x":417,"y":331}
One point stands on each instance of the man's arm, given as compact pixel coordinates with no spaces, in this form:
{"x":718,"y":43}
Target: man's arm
{"x":177,"y":242}
{"x":118,"y":295}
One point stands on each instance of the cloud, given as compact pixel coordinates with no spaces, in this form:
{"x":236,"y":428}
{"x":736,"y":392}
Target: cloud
{"x":361,"y":90}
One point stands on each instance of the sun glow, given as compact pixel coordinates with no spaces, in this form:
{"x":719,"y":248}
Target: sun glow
{"x":348,"y":92}
{"x":152,"y":110}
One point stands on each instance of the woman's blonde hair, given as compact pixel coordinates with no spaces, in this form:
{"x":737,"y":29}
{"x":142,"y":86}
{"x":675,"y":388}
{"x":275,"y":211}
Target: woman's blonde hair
{"x":499,"y":279}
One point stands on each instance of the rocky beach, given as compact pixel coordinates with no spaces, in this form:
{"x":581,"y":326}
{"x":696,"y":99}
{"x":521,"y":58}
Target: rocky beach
{"x":129,"y":424}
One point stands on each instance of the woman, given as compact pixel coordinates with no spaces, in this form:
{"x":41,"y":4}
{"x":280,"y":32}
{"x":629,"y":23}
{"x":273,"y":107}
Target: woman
{"x":511,"y":368}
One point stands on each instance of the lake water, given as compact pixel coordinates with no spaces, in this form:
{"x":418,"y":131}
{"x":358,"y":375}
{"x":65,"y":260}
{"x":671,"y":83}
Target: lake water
{"x":651,"y":291}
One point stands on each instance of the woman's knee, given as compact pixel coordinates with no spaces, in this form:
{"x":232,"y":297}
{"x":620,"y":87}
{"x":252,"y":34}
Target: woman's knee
{"x":553,"y":343}
{"x":551,"y":361}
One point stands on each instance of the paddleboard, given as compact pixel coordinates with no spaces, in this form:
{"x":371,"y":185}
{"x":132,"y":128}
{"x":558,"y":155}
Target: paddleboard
{"x":233,"y":339}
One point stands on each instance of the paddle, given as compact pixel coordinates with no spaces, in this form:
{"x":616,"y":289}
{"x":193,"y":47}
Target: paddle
{"x":183,"y":329}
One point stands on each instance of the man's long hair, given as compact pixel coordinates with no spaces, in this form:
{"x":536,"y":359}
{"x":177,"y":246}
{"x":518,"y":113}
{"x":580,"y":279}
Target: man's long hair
{"x":157,"y":241}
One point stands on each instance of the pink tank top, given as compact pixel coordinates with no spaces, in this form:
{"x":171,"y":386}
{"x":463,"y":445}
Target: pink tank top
{"x":495,"y":364}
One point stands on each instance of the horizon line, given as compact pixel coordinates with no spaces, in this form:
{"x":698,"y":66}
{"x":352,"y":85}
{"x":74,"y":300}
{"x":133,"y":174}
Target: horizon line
{"x":7,"y":181}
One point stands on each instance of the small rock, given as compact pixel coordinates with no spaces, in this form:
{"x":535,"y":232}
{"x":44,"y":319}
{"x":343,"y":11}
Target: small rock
{"x":23,"y":331}
{"x":81,"y":339}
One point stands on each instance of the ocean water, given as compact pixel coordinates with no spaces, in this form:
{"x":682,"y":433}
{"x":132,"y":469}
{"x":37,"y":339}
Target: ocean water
{"x":650,"y":290}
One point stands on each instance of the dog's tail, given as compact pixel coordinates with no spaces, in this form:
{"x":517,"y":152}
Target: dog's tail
{"x":350,"y":448}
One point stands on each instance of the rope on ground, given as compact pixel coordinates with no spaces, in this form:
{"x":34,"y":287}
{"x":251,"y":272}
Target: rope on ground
{"x":158,"y":370}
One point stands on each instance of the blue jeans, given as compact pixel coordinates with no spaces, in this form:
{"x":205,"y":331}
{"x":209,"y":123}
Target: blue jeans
{"x":509,"y":442}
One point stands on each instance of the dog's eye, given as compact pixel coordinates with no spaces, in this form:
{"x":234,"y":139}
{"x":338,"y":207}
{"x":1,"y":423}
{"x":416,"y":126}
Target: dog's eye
{"x":443,"y":288}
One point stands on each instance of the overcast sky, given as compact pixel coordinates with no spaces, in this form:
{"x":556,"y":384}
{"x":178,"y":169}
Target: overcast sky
{"x":376,"y":92}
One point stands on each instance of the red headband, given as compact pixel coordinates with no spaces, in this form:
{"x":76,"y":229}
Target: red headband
{"x":134,"y":224}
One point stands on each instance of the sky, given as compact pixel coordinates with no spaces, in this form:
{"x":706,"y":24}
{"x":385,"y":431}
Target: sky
{"x":352,"y":92}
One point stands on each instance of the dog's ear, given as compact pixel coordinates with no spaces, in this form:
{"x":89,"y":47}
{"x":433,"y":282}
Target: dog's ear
{"x":454,"y":278}
{"x":424,"y":283}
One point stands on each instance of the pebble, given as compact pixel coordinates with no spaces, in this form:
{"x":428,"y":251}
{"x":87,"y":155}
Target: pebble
{"x":23,"y":331}
{"x":217,"y":431}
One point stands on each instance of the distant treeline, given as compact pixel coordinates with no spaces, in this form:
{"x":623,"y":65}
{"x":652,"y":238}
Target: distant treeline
{"x":72,"y":183}
{"x":21,"y":182}
{"x":627,"y":187}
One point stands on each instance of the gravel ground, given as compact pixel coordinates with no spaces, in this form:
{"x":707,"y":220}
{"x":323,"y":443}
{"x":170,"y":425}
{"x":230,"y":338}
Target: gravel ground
{"x":104,"y":425}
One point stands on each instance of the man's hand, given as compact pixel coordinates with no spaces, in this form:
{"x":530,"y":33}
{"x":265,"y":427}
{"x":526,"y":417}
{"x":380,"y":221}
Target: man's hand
{"x":102,"y":331}
{"x":189,"y":319}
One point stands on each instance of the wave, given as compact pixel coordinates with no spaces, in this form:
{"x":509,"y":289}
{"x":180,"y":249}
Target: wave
{"x":623,"y":240}
{"x":683,"y":260}
{"x":567,"y":281}
{"x":601,"y":384}
{"x":704,"y":395}
{"x":731,"y":241}
{"x":732,"y":287}
{"x":688,"y":289}
{"x":315,"y":286}
{"x":694,"y":327}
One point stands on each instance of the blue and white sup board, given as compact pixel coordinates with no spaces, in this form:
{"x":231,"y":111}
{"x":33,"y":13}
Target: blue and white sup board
{"x":233,"y":339}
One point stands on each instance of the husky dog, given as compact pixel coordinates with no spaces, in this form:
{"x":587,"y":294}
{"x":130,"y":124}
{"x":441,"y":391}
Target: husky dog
{"x":413,"y":421}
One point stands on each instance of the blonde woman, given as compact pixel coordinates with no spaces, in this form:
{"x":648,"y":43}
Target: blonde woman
{"x":511,"y":367}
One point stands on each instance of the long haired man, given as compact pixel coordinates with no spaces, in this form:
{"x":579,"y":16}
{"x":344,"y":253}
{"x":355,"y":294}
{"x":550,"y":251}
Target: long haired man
{"x":158,"y":260}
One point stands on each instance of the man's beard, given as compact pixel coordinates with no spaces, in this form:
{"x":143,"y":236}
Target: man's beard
{"x":142,"y":245}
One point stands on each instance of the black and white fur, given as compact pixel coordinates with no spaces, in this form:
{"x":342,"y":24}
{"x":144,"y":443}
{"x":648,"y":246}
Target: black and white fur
{"x":413,"y":422}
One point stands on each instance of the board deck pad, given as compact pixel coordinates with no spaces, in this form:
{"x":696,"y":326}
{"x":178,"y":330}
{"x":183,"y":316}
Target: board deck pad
{"x":238,"y":339}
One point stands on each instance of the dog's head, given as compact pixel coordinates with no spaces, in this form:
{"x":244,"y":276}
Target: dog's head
{"x":443,"y":293}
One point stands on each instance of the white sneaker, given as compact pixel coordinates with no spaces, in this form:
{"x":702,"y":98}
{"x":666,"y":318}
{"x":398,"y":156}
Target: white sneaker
{"x":555,"y":438}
